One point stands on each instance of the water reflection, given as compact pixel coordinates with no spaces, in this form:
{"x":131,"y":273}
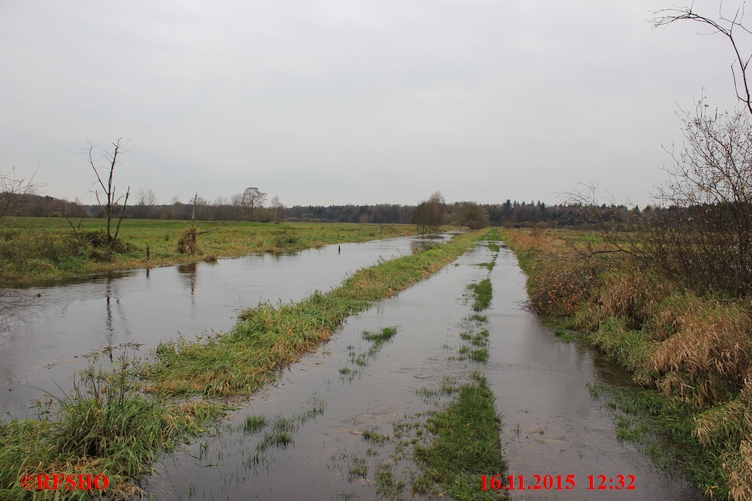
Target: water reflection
{"x":44,"y":331}
{"x":188,"y":276}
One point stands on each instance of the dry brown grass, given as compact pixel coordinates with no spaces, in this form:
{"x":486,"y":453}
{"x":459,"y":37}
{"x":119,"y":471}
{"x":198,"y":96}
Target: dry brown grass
{"x":559,"y":284}
{"x":188,"y":241}
{"x":633,"y":296}
{"x":627,"y":294}
{"x":740,"y":472}
{"x":708,"y":356}
{"x":668,"y":319}
{"x":544,"y":242}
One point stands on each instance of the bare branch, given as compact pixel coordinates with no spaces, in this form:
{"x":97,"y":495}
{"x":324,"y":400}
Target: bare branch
{"x":725,"y":26}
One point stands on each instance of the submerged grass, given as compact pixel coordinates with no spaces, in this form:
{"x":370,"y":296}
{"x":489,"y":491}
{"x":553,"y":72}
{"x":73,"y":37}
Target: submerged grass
{"x":665,"y":429}
{"x":360,"y":360}
{"x":453,"y":446}
{"x":278,"y":432}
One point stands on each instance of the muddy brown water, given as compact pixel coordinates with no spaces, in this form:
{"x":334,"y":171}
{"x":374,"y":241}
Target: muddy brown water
{"x":46,"y":331}
{"x":551,"y":423}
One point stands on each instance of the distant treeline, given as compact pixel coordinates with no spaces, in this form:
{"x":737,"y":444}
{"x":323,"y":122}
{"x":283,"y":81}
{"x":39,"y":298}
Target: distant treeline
{"x":509,"y":213}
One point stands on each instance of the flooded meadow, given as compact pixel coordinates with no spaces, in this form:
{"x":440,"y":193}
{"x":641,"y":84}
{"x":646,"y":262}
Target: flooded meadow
{"x":341,"y":422}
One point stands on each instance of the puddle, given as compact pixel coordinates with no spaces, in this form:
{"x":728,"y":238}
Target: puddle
{"x":333,"y":408}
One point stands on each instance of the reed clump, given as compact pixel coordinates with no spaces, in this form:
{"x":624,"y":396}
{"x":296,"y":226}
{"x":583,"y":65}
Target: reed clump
{"x":188,"y":241}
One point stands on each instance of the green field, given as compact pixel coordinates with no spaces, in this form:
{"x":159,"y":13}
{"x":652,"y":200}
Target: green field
{"x":38,"y":249}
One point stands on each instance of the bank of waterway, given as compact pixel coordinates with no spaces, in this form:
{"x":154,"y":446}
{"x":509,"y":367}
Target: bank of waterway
{"x":329,"y":404}
{"x":45,"y":332}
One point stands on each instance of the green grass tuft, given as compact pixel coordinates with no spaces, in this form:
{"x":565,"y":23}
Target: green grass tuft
{"x":483,"y":292}
{"x":465,"y":443}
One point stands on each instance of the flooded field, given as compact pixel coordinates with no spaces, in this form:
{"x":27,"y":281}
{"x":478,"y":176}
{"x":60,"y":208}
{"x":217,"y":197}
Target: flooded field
{"x":45,"y":332}
{"x":330,"y":427}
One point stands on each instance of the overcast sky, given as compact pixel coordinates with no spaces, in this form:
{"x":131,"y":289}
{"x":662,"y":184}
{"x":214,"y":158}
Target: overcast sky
{"x":362,"y":102}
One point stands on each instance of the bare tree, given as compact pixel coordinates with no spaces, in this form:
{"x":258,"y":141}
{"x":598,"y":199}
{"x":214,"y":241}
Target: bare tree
{"x":146,"y":200}
{"x":704,"y":239}
{"x":108,"y":199}
{"x":278,"y":208}
{"x":198,"y":206}
{"x":252,"y":199}
{"x":12,"y":186}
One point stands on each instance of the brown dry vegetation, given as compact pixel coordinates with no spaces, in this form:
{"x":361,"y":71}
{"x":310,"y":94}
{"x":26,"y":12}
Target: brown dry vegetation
{"x":694,"y":350}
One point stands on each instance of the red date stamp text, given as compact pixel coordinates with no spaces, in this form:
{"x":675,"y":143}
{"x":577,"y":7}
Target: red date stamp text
{"x":556,"y":482}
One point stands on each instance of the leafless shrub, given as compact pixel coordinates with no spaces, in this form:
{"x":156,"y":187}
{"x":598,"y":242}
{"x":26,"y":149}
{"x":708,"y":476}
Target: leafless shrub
{"x":703,"y":240}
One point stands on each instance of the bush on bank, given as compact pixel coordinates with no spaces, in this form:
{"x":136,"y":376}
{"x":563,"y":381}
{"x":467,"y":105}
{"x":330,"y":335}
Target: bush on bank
{"x":692,"y":351}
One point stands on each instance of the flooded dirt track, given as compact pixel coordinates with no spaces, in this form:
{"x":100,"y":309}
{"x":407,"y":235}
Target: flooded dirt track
{"x":321,"y":432}
{"x":45,"y":331}
{"x":552,"y":425}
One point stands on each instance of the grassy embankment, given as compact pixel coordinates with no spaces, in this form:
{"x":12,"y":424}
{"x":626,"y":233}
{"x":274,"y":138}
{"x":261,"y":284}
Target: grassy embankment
{"x":36,"y":249}
{"x":118,"y":423}
{"x":689,"y":355}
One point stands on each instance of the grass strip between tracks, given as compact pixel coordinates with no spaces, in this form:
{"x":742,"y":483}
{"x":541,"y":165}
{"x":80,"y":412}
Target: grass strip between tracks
{"x":464,"y":445}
